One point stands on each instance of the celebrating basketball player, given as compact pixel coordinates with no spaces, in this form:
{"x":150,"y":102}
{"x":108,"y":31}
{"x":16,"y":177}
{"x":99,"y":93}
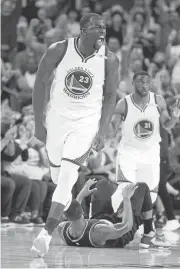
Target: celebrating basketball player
{"x":138,"y":157}
{"x":78,"y":109}
{"x":116,"y":230}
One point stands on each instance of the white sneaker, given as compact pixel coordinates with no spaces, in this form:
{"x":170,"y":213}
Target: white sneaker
{"x":38,"y":263}
{"x":154,"y":240}
{"x":41,"y":243}
{"x":171,"y":225}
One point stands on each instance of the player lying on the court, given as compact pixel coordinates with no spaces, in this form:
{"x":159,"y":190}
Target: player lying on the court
{"x":100,"y":232}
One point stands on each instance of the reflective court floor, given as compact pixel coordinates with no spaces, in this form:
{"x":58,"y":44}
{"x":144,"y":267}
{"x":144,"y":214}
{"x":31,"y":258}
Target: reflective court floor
{"x":16,"y":243}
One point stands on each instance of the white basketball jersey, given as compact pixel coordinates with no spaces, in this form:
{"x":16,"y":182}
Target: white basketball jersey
{"x":140,"y":129}
{"x":77,"y":89}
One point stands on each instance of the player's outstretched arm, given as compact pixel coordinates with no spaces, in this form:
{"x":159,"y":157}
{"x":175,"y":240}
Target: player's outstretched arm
{"x":86,"y":190}
{"x":127,"y":216}
{"x":119,"y":115}
{"x":112,"y":80}
{"x":166,"y":120}
{"x":41,"y":91}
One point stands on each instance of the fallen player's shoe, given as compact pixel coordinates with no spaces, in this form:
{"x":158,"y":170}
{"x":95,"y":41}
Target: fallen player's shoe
{"x":154,"y":240}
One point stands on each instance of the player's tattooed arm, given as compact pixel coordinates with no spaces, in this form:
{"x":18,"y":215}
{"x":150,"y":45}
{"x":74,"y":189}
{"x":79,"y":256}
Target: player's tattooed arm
{"x":119,"y":115}
{"x":41,"y":91}
{"x":166,"y":120}
{"x":112,"y":80}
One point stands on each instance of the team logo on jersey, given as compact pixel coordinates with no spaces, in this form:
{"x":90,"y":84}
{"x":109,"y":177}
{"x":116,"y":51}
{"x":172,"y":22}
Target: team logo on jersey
{"x":143,"y":129}
{"x":78,"y":82}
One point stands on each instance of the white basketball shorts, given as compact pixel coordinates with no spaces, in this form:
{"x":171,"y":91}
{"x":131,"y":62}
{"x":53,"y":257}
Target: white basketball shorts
{"x":68,"y":139}
{"x":137,"y":166}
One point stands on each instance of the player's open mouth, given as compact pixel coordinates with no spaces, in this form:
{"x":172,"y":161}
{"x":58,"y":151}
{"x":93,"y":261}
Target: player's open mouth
{"x":100,"y":40}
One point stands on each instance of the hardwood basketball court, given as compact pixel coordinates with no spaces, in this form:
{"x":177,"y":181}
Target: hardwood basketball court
{"x":16,"y":243}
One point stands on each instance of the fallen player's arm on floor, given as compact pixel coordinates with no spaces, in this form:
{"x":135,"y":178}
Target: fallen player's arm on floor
{"x":105,"y":232}
{"x":117,"y":230}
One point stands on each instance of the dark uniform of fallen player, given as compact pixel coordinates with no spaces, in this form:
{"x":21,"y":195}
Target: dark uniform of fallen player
{"x":112,"y":230}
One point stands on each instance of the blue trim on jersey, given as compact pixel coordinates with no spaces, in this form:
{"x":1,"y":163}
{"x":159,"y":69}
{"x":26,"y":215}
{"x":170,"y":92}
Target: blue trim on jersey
{"x":136,"y":105}
{"x":84,"y":239}
{"x":80,"y":54}
{"x":79,"y":238}
{"x":126,"y":109}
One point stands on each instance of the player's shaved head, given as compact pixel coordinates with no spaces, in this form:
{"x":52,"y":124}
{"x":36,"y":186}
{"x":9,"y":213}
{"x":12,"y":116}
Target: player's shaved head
{"x":85,"y":20}
{"x":74,"y":212}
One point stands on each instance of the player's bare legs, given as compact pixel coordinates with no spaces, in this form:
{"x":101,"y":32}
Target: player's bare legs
{"x":68,"y":175}
{"x":91,"y":39}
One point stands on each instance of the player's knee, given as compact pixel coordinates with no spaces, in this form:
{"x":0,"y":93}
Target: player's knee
{"x":54,"y":155}
{"x":67,"y":178}
{"x":68,"y":173}
{"x":62,"y":195}
{"x":55,"y":174}
{"x":102,"y":183}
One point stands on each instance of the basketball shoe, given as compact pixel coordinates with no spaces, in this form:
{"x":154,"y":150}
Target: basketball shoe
{"x":155,"y":240}
{"x":171,"y":225}
{"x":41,"y":243}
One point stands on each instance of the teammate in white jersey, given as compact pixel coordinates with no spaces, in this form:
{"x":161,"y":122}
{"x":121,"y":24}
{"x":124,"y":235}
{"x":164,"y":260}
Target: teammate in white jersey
{"x":138,"y":158}
{"x":78,"y":110}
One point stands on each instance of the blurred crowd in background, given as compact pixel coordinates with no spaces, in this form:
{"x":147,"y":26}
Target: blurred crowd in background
{"x":144,"y":34}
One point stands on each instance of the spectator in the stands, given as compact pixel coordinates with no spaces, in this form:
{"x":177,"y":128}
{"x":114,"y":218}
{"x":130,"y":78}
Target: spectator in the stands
{"x":20,"y":186}
{"x":173,"y":57}
{"x":167,"y":89}
{"x":117,"y":28}
{"x":114,"y":46}
{"x":43,"y":26}
{"x":22,"y":27}
{"x":85,"y":11}
{"x":174,"y":156}
{"x":73,"y":24}
{"x":10,"y":13}
{"x":171,"y":224}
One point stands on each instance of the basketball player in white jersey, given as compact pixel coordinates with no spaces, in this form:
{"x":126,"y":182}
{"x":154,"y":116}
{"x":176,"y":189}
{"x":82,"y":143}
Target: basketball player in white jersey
{"x":141,"y":113}
{"x":78,"y":110}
